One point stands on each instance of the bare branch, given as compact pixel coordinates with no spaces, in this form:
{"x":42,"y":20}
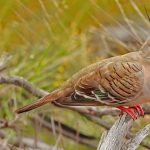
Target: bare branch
{"x":107,"y":126}
{"x":21,"y":143}
{"x":20,"y":81}
{"x":65,"y":130}
{"x":114,"y":139}
{"x":24,"y":142}
{"x":46,"y":122}
{"x":133,"y":143}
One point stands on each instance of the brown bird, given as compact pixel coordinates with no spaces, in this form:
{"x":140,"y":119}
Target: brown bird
{"x":121,"y":81}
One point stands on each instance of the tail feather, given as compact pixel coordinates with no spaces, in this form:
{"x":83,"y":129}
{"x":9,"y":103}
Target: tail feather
{"x":46,"y":99}
{"x":59,"y":96}
{"x":31,"y":106}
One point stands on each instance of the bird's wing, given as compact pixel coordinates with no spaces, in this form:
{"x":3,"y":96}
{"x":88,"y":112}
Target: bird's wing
{"x":114,"y":83}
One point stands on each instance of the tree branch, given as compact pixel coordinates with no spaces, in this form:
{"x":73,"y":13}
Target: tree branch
{"x":133,"y":143}
{"x":20,"y":81}
{"x":26,"y":142}
{"x":114,"y":139}
{"x":65,"y":130}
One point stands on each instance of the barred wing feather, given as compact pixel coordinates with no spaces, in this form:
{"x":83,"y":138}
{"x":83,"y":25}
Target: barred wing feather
{"x":114,"y":83}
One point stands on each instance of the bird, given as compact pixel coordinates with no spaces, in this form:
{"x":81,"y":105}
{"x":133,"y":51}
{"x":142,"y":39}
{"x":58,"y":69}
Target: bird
{"x":121,"y":81}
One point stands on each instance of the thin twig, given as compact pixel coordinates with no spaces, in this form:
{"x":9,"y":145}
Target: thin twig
{"x":65,"y":130}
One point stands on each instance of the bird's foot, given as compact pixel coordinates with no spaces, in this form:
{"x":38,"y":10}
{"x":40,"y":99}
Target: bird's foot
{"x":131,"y":111}
{"x":139,"y":109}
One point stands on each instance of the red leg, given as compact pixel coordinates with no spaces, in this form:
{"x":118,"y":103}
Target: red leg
{"x":136,"y":109}
{"x":129,"y":111}
{"x":140,"y":109}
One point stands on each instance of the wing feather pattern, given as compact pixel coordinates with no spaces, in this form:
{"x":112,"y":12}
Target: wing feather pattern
{"x":114,"y":83}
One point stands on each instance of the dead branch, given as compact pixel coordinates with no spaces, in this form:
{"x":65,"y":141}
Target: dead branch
{"x":65,"y":130}
{"x":21,"y":143}
{"x":21,"y":82}
{"x":26,"y":142}
{"x":46,"y":122}
{"x":114,"y":139}
{"x":133,"y":143}
{"x":107,"y":126}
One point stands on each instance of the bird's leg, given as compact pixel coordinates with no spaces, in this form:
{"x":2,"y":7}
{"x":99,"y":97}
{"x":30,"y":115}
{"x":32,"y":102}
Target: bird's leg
{"x":129,"y":111}
{"x":138,"y":109}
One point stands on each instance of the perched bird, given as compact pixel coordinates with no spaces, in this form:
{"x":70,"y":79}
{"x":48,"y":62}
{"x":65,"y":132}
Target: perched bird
{"x":121,"y":81}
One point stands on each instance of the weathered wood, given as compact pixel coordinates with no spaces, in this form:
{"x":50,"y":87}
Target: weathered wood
{"x":114,"y":139}
{"x":133,"y":143}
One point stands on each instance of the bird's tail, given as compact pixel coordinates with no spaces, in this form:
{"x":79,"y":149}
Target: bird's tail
{"x":46,"y":99}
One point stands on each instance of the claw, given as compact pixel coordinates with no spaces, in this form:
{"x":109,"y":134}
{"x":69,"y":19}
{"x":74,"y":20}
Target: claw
{"x":140,"y":109}
{"x":136,"y":109}
{"x":129,"y":111}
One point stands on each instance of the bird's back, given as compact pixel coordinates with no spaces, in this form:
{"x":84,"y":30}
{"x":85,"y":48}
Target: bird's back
{"x":133,"y":56}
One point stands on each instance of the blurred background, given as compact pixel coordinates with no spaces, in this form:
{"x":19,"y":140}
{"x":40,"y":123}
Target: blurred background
{"x":48,"y":41}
